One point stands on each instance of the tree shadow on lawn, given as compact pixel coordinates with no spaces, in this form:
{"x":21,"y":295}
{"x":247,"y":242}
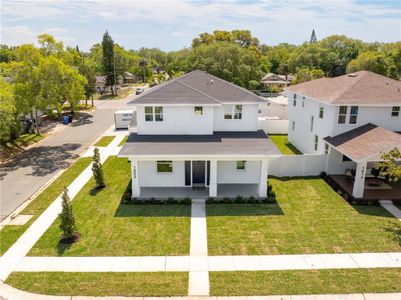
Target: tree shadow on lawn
{"x":62,"y":247}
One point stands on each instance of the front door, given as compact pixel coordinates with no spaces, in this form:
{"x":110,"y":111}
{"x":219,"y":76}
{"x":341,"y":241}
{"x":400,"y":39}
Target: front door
{"x":198,"y":172}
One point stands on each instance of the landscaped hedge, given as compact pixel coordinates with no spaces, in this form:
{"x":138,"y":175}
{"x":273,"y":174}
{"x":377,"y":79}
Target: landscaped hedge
{"x":135,"y":201}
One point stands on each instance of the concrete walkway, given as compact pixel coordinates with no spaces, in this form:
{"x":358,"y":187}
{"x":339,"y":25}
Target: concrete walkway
{"x":10,"y":260}
{"x":391,"y":208}
{"x":8,"y":292}
{"x":198,"y":267}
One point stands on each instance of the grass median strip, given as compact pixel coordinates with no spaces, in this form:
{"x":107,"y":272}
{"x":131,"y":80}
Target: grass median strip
{"x":282,"y":143}
{"x":300,"y":282}
{"x":105,"y":141}
{"x":110,"y":228}
{"x":309,"y":217}
{"x":102,"y":284}
{"x":10,"y":233}
{"x":123,"y":141}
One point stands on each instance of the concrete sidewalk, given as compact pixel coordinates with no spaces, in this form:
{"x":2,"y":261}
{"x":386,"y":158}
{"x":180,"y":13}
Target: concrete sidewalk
{"x":391,"y":208}
{"x":21,"y":247}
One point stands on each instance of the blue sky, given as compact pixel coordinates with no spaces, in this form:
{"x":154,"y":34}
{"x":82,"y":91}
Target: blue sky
{"x":171,"y":25}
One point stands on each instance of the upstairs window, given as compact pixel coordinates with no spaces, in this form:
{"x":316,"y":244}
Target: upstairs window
{"x":321,"y":111}
{"x":198,"y":110}
{"x":342,"y":115}
{"x":353,"y":115}
{"x":159,"y":113}
{"x":293,"y":125}
{"x":326,"y":148}
{"x":241,"y":164}
{"x":238,"y":112}
{"x":164,"y":166}
{"x":395,"y":111}
{"x":316,"y":144}
{"x":311,"y":123}
{"x":228,"y":112}
{"x":294,"y":102}
{"x":148,"y":113}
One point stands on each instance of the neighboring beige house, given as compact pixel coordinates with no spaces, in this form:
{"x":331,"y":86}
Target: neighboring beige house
{"x":271,"y":80}
{"x":100,"y":83}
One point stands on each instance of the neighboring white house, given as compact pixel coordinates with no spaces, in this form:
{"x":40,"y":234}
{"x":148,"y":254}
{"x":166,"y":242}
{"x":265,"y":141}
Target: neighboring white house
{"x":198,"y":132}
{"x":352,"y":118}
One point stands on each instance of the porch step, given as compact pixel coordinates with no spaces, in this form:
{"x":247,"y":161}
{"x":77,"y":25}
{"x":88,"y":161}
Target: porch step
{"x":196,"y":186}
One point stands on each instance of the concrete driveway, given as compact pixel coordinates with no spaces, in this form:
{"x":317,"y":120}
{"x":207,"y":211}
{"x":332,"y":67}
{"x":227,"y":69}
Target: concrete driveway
{"x":21,"y":177}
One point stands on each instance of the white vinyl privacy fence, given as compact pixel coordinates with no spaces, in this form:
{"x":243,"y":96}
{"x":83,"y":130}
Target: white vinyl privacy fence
{"x":298,"y":165}
{"x":273,"y":126}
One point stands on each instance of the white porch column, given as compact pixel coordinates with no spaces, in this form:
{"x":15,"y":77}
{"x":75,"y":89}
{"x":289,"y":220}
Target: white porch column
{"x":136,"y":189}
{"x":359,"y":184}
{"x":213,"y":178}
{"x":263,"y":178}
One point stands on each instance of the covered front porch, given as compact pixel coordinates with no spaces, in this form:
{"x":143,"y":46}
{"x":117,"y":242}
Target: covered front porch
{"x":353,"y":162}
{"x":223,"y":190}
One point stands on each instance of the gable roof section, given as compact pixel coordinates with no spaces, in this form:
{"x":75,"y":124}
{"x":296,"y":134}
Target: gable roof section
{"x":359,"y":88}
{"x":197,"y":87}
{"x":365,"y":141}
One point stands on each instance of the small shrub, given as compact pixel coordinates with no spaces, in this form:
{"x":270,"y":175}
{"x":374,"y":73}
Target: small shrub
{"x":269,"y":188}
{"x":210,"y":200}
{"x":97,"y":170}
{"x":67,"y":220}
{"x":170,"y":200}
{"x":187,"y":200}
{"x":323,"y":175}
{"x":239,"y":199}
{"x":226,"y":200}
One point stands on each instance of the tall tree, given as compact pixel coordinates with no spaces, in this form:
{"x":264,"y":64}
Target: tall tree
{"x":7,"y":111}
{"x":108,"y":60}
{"x":97,"y":170}
{"x":313,"y":38}
{"x":390,"y":166}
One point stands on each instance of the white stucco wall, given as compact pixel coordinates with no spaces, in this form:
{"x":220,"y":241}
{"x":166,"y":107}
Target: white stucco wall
{"x":177,"y":120}
{"x":227,"y":172}
{"x":149,"y":177}
{"x":249,"y":121}
{"x":303,"y":137}
{"x":335,"y":163}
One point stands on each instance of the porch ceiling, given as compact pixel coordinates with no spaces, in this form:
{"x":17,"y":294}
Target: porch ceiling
{"x":365,"y":141}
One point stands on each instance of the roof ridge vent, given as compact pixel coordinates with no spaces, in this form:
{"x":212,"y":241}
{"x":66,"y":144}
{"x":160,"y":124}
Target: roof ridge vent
{"x":352,"y":75}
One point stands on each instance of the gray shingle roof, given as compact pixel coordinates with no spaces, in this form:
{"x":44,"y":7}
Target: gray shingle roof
{"x":220,"y":143}
{"x":197,"y":87}
{"x":365,"y":141}
{"x":358,"y":88}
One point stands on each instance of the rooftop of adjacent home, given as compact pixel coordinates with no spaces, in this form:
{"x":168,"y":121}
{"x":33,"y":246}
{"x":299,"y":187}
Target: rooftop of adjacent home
{"x":365,"y":141}
{"x":359,"y":88}
{"x":197,"y":87}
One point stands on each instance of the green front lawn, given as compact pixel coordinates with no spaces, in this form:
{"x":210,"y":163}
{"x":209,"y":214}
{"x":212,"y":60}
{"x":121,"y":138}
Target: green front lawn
{"x":109,"y":228}
{"x":123,"y":141}
{"x":105,"y":141}
{"x":308,"y":218}
{"x":300,"y":282}
{"x":102,"y":284}
{"x":10,"y":233}
{"x":281,"y":142}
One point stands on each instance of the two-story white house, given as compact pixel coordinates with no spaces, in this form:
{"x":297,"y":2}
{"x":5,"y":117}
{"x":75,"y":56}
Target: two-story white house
{"x":198,"y":134}
{"x":353,"y":118}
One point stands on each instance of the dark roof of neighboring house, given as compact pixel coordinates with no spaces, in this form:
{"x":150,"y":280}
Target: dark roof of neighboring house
{"x":197,"y":87}
{"x":365,"y":141}
{"x":220,"y":143}
{"x":357,"y":88}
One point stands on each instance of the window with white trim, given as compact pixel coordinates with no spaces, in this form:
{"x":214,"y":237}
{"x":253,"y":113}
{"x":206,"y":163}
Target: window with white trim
{"x":159,"y":113}
{"x":228,"y":112}
{"x":395,"y":111}
{"x":294,"y":102}
{"x":241,"y":164}
{"x":164,"y":166}
{"x":342,"y":114}
{"x":321,"y":111}
{"x":148,"y":113}
{"x":198,"y":110}
{"x":316,"y":144}
{"x":153,"y":113}
{"x":326,"y":148}
{"x":238,"y":112}
{"x":353,"y":117}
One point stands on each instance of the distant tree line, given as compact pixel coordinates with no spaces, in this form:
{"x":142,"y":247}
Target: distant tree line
{"x":46,"y":77}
